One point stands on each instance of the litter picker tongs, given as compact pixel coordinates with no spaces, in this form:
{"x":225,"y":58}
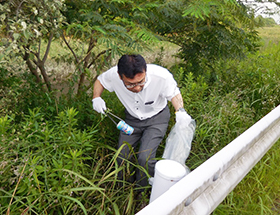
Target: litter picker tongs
{"x":108,"y":113}
{"x":122,"y":125}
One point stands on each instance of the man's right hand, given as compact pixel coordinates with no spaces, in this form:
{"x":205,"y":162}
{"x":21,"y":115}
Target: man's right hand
{"x":99,"y":105}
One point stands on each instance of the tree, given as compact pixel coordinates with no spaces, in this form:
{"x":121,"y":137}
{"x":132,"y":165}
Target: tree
{"x":265,"y":8}
{"x":212,"y":30}
{"x":25,"y":24}
{"x":267,"y":22}
{"x":97,"y":31}
{"x":108,"y":28}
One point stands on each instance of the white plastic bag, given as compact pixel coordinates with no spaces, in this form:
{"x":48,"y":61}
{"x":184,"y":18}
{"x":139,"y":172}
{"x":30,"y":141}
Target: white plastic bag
{"x":178,"y":142}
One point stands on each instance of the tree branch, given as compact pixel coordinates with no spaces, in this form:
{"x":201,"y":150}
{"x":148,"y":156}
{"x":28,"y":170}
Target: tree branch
{"x":90,"y":47}
{"x":18,"y":8}
{"x":48,"y":48}
{"x":69,"y":47}
{"x":101,"y":53}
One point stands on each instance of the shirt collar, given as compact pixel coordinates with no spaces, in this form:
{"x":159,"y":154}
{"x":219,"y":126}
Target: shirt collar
{"x":148,"y":81}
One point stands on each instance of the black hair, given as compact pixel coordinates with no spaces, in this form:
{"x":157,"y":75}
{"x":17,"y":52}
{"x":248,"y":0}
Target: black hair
{"x":130,"y":65}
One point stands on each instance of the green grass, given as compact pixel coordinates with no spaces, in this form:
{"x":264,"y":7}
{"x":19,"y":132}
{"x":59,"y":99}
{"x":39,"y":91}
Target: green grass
{"x":258,"y":192}
{"x":51,"y":167}
{"x":59,"y":156}
{"x":269,"y":35}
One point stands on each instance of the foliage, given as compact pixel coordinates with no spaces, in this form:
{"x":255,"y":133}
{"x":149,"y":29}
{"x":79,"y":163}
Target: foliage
{"x":54,"y":167}
{"x":95,"y":32}
{"x":261,"y":189}
{"x":258,"y":79}
{"x":24,"y":24}
{"x":58,"y":157}
{"x":19,"y":93}
{"x":252,"y":80}
{"x":213,"y":30}
{"x":270,"y":35}
{"x":109,"y":29}
{"x":54,"y":163}
{"x":266,"y":22}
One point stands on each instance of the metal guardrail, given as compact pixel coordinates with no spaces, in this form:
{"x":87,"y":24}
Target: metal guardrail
{"x":202,"y":190}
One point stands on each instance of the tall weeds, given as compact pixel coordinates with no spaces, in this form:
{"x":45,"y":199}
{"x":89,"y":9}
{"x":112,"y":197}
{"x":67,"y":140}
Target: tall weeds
{"x":52,"y":167}
{"x":58,"y":157}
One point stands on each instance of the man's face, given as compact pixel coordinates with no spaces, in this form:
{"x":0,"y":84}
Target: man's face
{"x":135,"y":84}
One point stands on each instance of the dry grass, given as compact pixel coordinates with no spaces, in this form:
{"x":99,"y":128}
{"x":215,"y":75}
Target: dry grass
{"x":269,"y":35}
{"x":162,"y":53}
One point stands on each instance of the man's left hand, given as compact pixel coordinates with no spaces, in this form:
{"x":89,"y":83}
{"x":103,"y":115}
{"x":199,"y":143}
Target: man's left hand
{"x":183,"y":117}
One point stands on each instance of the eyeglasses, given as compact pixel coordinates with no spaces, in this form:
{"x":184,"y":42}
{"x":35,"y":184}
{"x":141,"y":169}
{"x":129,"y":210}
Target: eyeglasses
{"x":141,"y":83}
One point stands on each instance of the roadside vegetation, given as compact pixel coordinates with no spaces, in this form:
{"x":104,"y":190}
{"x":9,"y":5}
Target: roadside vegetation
{"x":258,"y":192}
{"x":57,"y":156}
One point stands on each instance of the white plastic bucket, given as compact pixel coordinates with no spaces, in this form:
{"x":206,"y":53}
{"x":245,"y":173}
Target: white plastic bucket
{"x":167,"y":173}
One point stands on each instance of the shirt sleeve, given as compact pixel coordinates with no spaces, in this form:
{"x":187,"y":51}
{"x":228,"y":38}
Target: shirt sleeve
{"x":171,"y":89}
{"x":107,"y":79}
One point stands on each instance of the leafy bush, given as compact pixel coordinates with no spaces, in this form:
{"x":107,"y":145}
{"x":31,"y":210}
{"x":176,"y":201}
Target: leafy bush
{"x":268,"y":22}
{"x":220,"y":117}
{"x":20,"y":93}
{"x":257,"y":79}
{"x":213,"y":31}
{"x":244,"y":91}
{"x":54,"y":167}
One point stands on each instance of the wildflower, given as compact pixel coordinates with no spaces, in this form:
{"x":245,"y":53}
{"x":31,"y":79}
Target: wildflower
{"x":37,"y":33}
{"x":35,"y":11}
{"x":23,"y":24}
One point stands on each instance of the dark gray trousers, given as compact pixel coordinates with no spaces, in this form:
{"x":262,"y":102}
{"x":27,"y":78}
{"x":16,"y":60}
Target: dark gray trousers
{"x":149,"y":134}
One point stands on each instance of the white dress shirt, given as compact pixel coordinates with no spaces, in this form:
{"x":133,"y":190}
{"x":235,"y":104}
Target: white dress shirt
{"x":159,"y":88}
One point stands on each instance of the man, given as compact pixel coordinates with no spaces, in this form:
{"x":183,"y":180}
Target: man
{"x":144,"y":90}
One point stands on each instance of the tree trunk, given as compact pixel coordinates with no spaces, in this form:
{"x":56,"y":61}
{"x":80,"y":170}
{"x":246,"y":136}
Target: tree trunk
{"x":32,"y":69}
{"x":41,"y":65}
{"x":85,"y":66}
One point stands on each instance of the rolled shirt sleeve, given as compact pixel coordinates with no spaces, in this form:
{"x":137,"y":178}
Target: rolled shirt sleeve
{"x":108,"y":78}
{"x":170,"y":89}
